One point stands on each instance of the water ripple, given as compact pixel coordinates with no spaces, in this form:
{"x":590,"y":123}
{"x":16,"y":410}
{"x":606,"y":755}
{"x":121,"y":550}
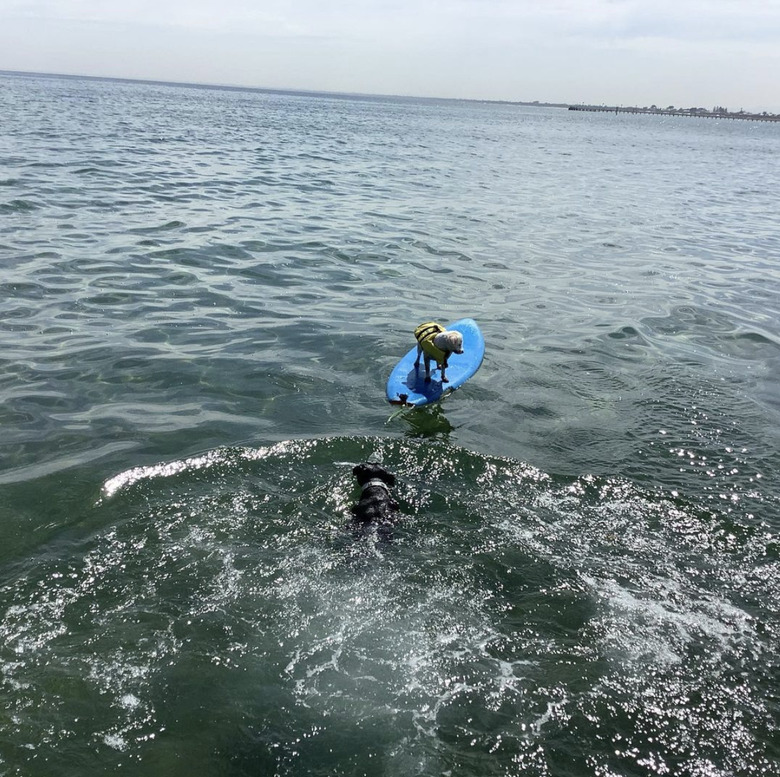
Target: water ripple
{"x":204,"y":291}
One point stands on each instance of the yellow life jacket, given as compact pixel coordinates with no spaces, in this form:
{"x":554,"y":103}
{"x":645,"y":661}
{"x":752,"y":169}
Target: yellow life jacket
{"x":424,"y":335}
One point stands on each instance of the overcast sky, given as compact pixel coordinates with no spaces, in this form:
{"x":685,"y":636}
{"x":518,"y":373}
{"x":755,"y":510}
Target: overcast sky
{"x":620,"y":52}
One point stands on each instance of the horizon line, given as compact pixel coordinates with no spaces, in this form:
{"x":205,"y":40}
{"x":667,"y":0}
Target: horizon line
{"x":283,"y":90}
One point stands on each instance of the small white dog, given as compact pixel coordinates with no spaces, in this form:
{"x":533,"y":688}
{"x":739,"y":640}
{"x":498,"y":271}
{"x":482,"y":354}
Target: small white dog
{"x":437,"y":343}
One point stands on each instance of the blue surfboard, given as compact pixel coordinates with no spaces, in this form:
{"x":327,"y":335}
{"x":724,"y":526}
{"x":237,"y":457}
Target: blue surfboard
{"x":406,"y":385}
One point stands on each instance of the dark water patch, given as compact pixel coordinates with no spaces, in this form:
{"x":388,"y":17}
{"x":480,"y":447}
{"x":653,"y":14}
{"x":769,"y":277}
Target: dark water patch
{"x":48,"y":165}
{"x":47,"y":255}
{"x":19,"y":206}
{"x":513,"y":617}
{"x":9,"y":325}
{"x":625,"y":332}
{"x":22,"y":290}
{"x":751,"y":345}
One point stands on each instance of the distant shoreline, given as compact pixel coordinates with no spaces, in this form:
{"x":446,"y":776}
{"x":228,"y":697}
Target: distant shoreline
{"x":689,"y":112}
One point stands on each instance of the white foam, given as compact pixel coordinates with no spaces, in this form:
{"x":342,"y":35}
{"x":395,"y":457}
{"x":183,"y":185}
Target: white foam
{"x":116,"y":741}
{"x":194,"y":463}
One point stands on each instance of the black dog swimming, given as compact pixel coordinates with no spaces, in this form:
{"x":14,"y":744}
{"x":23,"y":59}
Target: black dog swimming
{"x":376,"y":505}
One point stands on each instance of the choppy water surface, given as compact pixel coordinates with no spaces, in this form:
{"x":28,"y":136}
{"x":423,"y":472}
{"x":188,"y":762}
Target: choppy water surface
{"x":203,"y":291}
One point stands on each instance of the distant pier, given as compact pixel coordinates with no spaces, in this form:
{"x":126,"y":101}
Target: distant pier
{"x":695,"y":113}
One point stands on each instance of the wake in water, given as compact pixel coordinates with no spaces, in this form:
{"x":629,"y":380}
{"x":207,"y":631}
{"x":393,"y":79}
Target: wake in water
{"x":516,"y":624}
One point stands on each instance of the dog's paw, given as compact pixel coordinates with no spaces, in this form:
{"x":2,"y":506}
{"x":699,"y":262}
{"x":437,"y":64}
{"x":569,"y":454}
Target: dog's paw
{"x":445,"y":380}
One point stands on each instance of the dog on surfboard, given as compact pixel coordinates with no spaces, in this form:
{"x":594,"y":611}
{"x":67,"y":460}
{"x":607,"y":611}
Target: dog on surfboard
{"x":435,"y":343}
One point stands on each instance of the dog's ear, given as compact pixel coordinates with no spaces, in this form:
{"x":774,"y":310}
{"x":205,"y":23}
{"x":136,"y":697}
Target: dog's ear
{"x":363,"y":473}
{"x":388,"y":478}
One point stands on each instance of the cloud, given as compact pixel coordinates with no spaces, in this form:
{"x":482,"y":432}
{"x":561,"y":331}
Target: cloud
{"x":702,"y":20}
{"x":209,"y":15}
{"x":624,"y":51}
{"x":611,"y":20}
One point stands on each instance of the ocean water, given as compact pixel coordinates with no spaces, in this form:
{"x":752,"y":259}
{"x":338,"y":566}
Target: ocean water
{"x":203,"y":292}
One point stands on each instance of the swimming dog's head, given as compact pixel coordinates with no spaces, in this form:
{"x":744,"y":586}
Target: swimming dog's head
{"x":449,"y":340}
{"x":375,"y":506}
{"x":368,"y":472}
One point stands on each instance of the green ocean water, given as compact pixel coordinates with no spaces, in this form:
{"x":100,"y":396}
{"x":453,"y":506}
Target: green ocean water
{"x":202,"y":293}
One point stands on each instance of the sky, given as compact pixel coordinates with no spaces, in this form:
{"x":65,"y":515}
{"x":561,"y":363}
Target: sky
{"x":686,"y":53}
